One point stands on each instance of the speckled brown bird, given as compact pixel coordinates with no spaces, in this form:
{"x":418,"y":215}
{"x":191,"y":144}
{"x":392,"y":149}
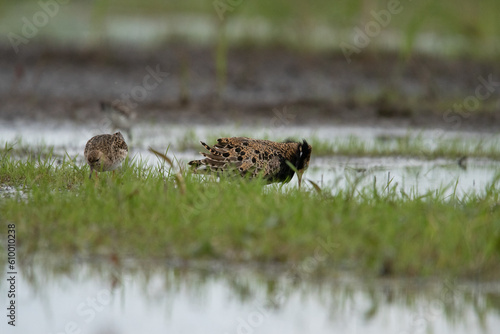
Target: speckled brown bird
{"x":120,"y":116}
{"x":105,"y":152}
{"x":253,"y":157}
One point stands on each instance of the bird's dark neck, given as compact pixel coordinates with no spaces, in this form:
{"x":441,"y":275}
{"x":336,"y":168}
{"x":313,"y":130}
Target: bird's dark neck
{"x":285,"y":173}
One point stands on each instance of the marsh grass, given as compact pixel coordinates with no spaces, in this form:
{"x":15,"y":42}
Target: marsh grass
{"x":410,"y":145}
{"x":141,"y":212}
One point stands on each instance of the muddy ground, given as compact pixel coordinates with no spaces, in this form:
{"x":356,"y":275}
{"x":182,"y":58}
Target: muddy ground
{"x":263,"y":84}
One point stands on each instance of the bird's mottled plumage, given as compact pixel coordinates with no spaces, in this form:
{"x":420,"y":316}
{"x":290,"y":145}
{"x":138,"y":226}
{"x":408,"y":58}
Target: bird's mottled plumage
{"x":105,"y":152}
{"x":121,"y":116}
{"x":253,"y":157}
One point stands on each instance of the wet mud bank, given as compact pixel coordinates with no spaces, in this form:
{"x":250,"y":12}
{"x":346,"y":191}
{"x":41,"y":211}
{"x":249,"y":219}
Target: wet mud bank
{"x":181,"y":83}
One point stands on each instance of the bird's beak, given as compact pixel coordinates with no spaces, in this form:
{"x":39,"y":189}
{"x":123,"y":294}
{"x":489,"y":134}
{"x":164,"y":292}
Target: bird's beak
{"x":91,"y":170}
{"x":299,"y":176}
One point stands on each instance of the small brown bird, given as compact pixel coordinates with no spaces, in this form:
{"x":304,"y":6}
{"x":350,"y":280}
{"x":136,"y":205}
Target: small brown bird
{"x":105,"y":152}
{"x":253,"y":157}
{"x":120,"y":116}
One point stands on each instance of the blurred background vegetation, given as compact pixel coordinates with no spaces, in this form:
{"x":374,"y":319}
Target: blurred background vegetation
{"x":448,"y":27}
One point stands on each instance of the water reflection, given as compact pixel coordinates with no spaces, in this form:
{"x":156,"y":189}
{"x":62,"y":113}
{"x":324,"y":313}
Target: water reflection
{"x":411,"y":177}
{"x":131,"y":297}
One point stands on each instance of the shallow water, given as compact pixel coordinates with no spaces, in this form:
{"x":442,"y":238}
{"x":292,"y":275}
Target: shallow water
{"x":411,"y":175}
{"x":217,"y":298}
